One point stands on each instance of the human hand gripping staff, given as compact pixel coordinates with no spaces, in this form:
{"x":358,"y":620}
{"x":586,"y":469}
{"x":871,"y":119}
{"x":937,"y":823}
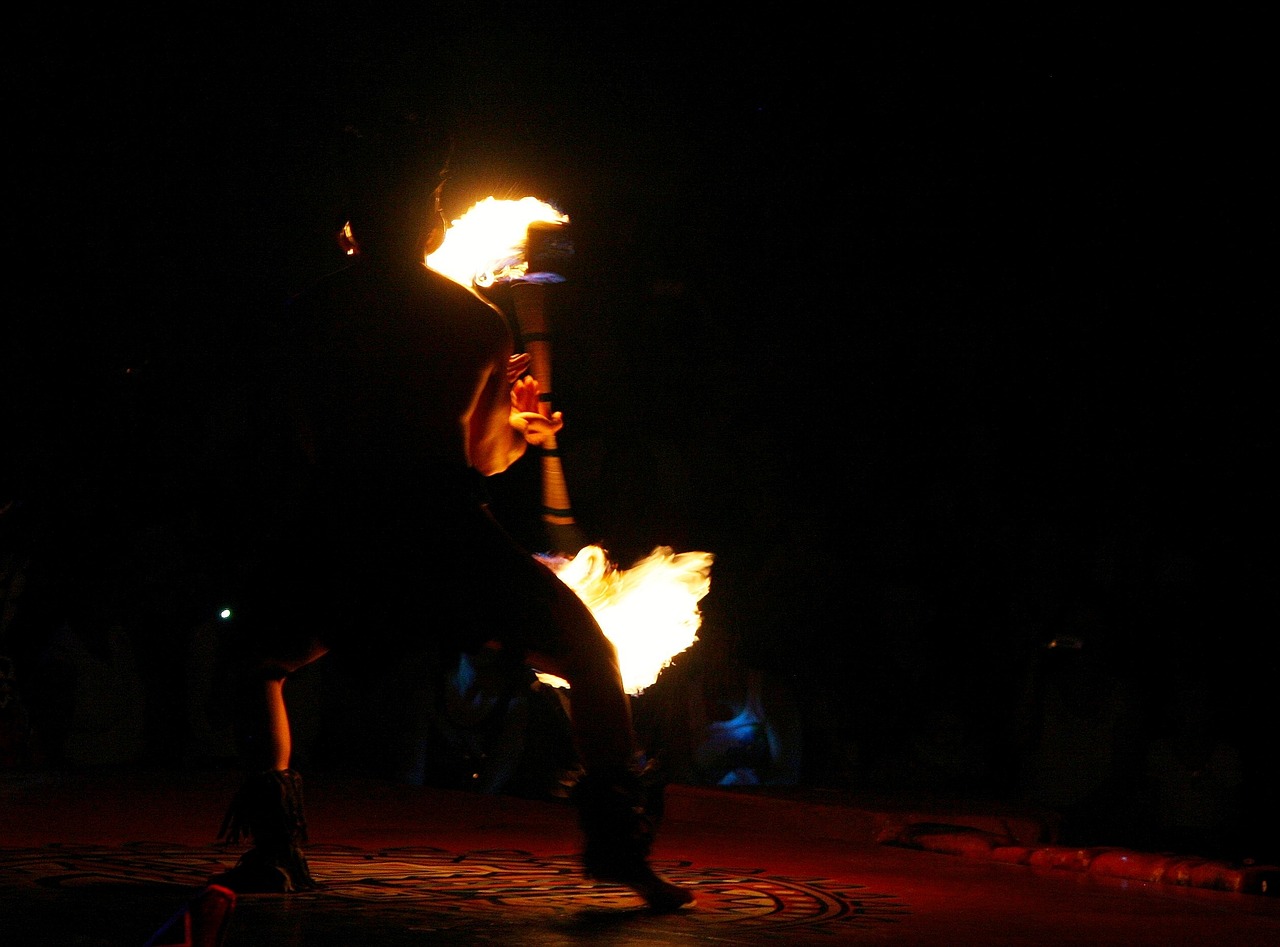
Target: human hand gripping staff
{"x":528,"y":411}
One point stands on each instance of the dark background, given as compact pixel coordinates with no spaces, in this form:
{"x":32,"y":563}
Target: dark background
{"x":954,"y":310}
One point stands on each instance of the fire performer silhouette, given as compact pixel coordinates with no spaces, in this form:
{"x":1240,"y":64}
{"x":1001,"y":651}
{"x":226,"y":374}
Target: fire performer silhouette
{"x":401,"y":392}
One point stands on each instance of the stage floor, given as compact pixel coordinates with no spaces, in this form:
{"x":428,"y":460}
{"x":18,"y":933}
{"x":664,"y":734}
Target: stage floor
{"x":108,"y":858}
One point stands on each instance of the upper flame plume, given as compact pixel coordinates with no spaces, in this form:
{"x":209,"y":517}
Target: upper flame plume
{"x":486,"y":245}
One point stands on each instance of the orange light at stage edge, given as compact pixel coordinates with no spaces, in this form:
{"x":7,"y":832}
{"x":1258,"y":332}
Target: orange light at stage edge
{"x":486,"y":244}
{"x":650,"y":611}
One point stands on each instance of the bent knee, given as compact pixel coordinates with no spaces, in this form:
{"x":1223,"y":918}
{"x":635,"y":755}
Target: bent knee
{"x":273,"y":664}
{"x":588,"y":655}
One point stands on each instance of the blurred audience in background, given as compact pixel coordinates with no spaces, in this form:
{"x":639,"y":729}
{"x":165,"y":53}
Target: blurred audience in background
{"x":1080,"y":737}
{"x":1195,"y":774}
{"x":713,"y":719}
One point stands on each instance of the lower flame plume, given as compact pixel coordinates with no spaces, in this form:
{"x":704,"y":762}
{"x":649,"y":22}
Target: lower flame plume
{"x":650,"y":611}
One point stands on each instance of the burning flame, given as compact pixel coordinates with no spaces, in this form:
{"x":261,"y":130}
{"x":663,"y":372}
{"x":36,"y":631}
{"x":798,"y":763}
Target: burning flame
{"x":486,"y":244}
{"x":650,"y":611}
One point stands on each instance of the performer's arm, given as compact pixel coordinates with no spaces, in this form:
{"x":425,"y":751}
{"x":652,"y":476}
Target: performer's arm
{"x":505,"y":417}
{"x":493,"y":443}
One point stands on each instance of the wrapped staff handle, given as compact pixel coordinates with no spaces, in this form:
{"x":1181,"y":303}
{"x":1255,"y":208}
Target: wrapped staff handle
{"x":530,"y":303}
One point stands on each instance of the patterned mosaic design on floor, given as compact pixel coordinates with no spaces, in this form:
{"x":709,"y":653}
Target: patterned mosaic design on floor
{"x":510,"y":884}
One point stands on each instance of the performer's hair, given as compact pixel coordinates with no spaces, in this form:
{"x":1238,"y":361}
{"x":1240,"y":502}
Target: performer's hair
{"x":373,"y":158}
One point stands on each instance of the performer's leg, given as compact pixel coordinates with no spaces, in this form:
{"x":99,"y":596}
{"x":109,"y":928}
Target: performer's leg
{"x":615,"y":816}
{"x":268,"y":807}
{"x":266,"y":739}
{"x":600,"y":707}
{"x":521,"y":602}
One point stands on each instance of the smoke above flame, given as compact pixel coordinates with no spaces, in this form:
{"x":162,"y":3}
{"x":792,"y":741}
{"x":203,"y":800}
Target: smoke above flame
{"x":650,"y":612}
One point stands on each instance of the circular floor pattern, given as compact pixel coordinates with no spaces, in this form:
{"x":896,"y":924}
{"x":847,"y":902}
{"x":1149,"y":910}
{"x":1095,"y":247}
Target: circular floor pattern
{"x":431,"y":887}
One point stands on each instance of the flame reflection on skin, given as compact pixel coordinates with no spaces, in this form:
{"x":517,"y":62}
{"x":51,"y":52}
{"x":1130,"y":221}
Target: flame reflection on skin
{"x":486,"y":244}
{"x":650,"y":611}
